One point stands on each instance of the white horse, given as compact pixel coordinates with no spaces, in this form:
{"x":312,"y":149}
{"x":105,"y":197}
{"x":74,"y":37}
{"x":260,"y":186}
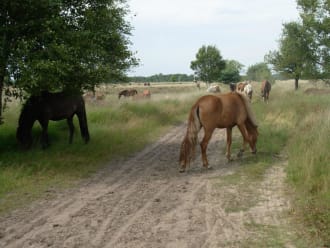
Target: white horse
{"x":248,"y":91}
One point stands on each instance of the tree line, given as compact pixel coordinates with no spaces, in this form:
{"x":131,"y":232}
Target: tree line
{"x":163,"y":78}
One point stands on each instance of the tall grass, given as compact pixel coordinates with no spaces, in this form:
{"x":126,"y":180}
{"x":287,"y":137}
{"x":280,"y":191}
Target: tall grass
{"x":303,"y":122}
{"x":117,"y":129}
{"x":309,"y":169}
{"x":296,"y":126}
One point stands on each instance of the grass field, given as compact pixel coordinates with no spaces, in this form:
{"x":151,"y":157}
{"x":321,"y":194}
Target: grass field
{"x":294,"y":126}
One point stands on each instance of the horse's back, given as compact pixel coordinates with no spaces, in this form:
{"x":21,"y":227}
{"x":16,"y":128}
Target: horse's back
{"x":58,"y":106}
{"x":222,"y":110}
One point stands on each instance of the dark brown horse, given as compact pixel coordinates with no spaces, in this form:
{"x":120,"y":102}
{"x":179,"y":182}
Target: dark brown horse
{"x":265,"y":89}
{"x":51,"y":106}
{"x":127,"y":93}
{"x":220,"y":111}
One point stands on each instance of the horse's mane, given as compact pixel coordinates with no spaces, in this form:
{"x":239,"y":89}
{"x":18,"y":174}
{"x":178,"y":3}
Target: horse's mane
{"x":248,"y":108}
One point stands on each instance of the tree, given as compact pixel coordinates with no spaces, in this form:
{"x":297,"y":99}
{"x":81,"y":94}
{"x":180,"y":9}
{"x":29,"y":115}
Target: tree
{"x":231,"y":72}
{"x":294,"y":57}
{"x":258,"y":72}
{"x":208,"y":64}
{"x":62,"y":45}
{"x":315,"y":15}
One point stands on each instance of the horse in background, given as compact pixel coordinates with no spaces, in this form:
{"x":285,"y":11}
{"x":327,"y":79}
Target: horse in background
{"x":265,"y":89}
{"x":127,"y":93}
{"x":232,"y":87}
{"x":240,"y":86}
{"x":220,"y":111}
{"x":214,"y":89}
{"x":248,"y":90}
{"x":146,"y":94}
{"x":51,"y":106}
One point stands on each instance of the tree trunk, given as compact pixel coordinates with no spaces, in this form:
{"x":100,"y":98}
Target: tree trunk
{"x":2,"y":79}
{"x":296,"y":83}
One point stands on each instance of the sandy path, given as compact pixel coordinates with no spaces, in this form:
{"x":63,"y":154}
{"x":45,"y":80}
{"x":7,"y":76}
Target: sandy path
{"x":143,"y":201}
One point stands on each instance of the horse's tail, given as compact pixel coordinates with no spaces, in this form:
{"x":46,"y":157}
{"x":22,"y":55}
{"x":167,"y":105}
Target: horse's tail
{"x":190,"y":140}
{"x":83,"y":123}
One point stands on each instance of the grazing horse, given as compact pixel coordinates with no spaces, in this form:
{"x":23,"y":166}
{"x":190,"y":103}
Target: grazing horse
{"x":248,"y":91}
{"x":221,"y":111}
{"x":127,"y":93}
{"x":51,"y":106}
{"x":265,"y":89}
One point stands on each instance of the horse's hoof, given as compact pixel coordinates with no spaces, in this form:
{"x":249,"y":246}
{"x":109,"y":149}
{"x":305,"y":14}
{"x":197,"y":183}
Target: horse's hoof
{"x":182,"y":170}
{"x":240,"y":154}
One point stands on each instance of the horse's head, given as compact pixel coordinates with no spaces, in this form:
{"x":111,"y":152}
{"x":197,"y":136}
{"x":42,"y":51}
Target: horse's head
{"x":253,"y":140}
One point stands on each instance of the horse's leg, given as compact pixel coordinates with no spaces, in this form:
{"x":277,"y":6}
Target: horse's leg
{"x":229,"y":140}
{"x":204,"y":143}
{"x":71,"y":128}
{"x":44,"y":133}
{"x":242,"y":128}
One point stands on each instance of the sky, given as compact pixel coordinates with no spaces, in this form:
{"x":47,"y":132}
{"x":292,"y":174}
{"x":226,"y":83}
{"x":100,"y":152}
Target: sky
{"x":167,"y":34}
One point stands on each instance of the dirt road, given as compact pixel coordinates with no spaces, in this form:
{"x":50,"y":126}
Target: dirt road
{"x":143,"y":201}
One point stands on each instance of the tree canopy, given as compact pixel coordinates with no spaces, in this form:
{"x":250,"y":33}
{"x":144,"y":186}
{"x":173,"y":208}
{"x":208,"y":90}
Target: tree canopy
{"x":294,"y":56}
{"x":62,"y":45}
{"x":208,"y":64}
{"x":315,"y":15}
{"x":231,"y":73}
{"x":304,"y":47}
{"x":258,"y":72}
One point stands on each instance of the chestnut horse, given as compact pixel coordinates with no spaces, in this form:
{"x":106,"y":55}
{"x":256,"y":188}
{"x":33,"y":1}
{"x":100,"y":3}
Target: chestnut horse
{"x":265,"y":89}
{"x":218,"y":111}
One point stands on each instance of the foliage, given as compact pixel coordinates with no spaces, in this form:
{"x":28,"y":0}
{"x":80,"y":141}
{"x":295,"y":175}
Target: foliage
{"x":258,"y":72}
{"x":208,"y":64}
{"x":231,"y":72}
{"x":304,"y":48}
{"x":63,"y":45}
{"x":294,"y":57}
{"x":315,"y":15}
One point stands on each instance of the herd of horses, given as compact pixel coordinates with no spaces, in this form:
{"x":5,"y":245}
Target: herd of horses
{"x":209,"y":112}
